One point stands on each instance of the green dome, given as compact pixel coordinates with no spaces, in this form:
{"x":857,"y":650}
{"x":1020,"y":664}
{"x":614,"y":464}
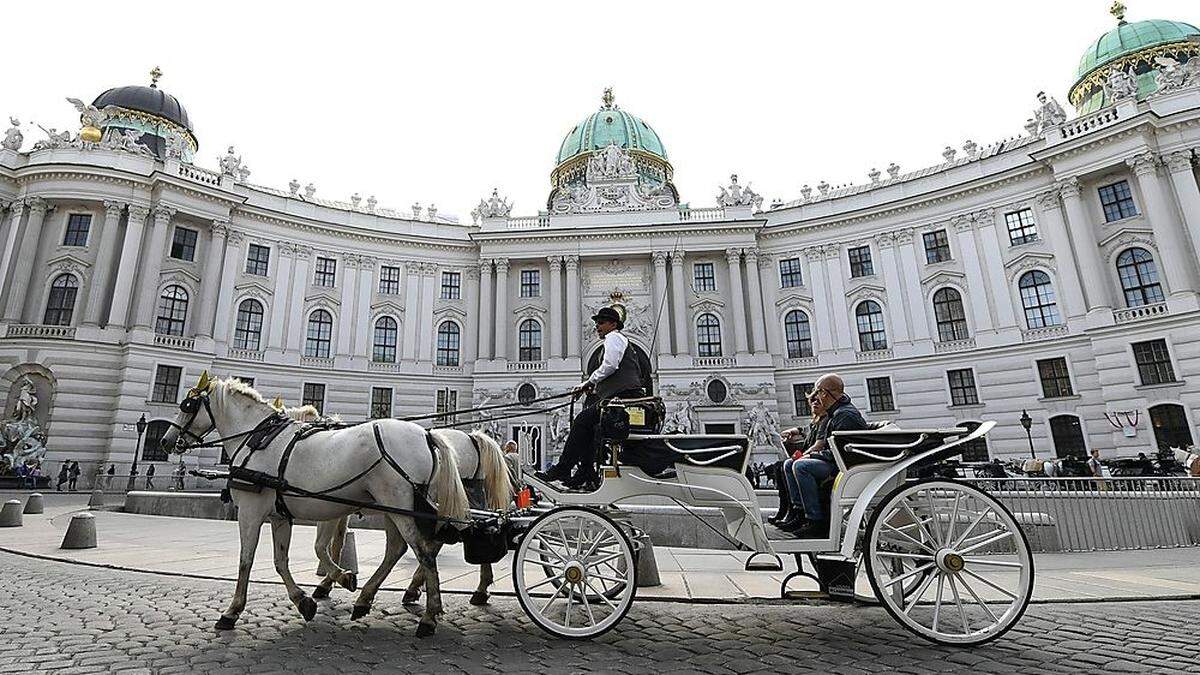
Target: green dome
{"x":610,"y":125}
{"x":1128,"y":38}
{"x":1130,"y":45}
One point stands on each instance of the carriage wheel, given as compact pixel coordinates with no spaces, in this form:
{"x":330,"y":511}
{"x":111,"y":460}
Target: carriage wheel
{"x":574,"y":573}
{"x":972,"y":559}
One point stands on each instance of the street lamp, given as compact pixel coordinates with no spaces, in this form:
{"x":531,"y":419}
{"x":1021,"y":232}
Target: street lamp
{"x":141,"y":429}
{"x":1027,"y":422}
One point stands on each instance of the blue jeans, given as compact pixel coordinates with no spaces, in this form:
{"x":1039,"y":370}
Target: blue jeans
{"x":802,"y":477}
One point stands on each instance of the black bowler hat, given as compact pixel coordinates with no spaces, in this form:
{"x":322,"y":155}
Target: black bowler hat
{"x":608,"y":314}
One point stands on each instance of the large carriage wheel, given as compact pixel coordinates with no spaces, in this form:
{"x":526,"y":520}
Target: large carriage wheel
{"x":574,"y":573}
{"x":972,"y":559}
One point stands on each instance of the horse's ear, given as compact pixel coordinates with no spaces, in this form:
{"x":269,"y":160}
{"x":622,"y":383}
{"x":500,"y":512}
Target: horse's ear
{"x":205,"y":382}
{"x":277,"y":403}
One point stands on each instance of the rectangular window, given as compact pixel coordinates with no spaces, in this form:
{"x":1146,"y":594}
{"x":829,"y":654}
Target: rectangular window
{"x":78,"y":226}
{"x":962,"y":387}
{"x":166,"y":384}
{"x":860,"y":262}
{"x":704,"y":277}
{"x":314,"y":395}
{"x":257,"y":260}
{"x":183,"y":244}
{"x":1056,"y":381}
{"x":1117,"y":201}
{"x":326,"y":272}
{"x":789,"y":273}
{"x":389,"y":280}
{"x":800,"y":394}
{"x":381,"y":402}
{"x":531,"y":283}
{"x":1021,"y":228}
{"x":452,"y":285}
{"x":447,"y":401}
{"x":879,"y":394}
{"x":1153,"y":362}
{"x":937,"y":247}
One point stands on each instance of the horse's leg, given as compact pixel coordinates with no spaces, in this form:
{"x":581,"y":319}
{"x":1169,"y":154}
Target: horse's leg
{"x":413,"y":592}
{"x":250,"y":522}
{"x":480,"y":596}
{"x":426,"y":552}
{"x":393,"y":551}
{"x":281,"y":532}
{"x":331,"y":535}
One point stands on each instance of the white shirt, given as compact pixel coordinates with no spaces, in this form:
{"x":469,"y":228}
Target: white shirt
{"x":614,"y":351}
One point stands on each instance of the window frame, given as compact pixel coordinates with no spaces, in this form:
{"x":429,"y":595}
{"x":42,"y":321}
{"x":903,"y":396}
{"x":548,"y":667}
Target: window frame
{"x":1118,"y":203}
{"x":325,"y":278}
{"x":451,"y":285}
{"x":158,"y":388}
{"x":1055,"y":378}
{"x":704,"y":283}
{"x":242,"y":334}
{"x":876,"y":400}
{"x":448,"y":355}
{"x":861,"y":262}
{"x":60,"y":301}
{"x":529,"y":353}
{"x":254,"y":261}
{"x":379,"y":408}
{"x":705,"y":347}
{"x":385,"y":340}
{"x":1160,"y":366}
{"x":1054,"y":438}
{"x":71,"y":234}
{"x":791,"y":273}
{"x":386,"y":281}
{"x":1019,"y":231}
{"x":800,"y":404}
{"x":307,"y":399}
{"x":184,"y":246}
{"x":870,"y":340}
{"x":1047,"y":302}
{"x":803,"y":342}
{"x":175,"y":322}
{"x":940,"y":251}
{"x":530,"y":283}
{"x":1131,"y":270}
{"x":950,"y":328}
{"x":312,"y":345}
{"x":963,"y":393}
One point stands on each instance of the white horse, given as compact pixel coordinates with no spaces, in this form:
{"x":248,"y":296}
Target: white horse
{"x":1189,"y":460}
{"x":360,"y":463}
{"x":479,"y":458}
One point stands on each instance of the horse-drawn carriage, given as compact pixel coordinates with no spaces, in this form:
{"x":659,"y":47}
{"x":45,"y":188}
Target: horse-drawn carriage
{"x":947,"y":561}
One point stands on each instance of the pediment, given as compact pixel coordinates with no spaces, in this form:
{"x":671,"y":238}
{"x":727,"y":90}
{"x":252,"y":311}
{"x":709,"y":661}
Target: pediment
{"x":69,"y":263}
{"x":253,"y":287}
{"x":323,"y":297}
{"x":1139,"y":234}
{"x":527,"y":309}
{"x":1031,"y":259}
{"x":706,"y":301}
{"x":183,"y":277}
{"x":943,"y":277}
{"x":867,"y":289}
{"x":450,"y":310}
{"x":387,"y":307}
{"x":793,"y":299}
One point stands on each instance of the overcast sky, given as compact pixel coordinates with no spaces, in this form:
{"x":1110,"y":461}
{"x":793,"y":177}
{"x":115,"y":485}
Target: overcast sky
{"x":437,"y":102}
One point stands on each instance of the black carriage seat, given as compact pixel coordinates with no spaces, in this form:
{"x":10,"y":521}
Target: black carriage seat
{"x":886,"y":444}
{"x":655,"y":453}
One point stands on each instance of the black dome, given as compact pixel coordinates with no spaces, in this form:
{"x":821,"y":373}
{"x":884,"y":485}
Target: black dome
{"x":148,"y":100}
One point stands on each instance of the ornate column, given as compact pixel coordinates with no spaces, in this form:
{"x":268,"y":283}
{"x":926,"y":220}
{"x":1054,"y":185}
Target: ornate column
{"x":412,"y":309}
{"x":23,"y":263}
{"x":757,"y":337}
{"x":737,"y":298}
{"x":892,"y":282}
{"x":1054,"y":229}
{"x":425,"y":337}
{"x":1179,"y":165}
{"x":573,"y":325}
{"x":471,"y":326}
{"x":769,"y":283}
{"x":915,"y":308}
{"x":11,"y":239}
{"x":229,"y":272}
{"x":976,"y":288}
{"x":345,"y":320}
{"x":1087,"y":253}
{"x":844,"y":337}
{"x":291,"y":308}
{"x":1173,"y":245}
{"x":662,"y":316}
{"x":993,"y":265}
{"x":486,"y":306}
{"x":152,"y":266}
{"x":363,"y":330}
{"x":283,"y":281}
{"x":554,"y":332}
{"x":679,"y":305}
{"x":209,"y":284}
{"x":822,"y":302}
{"x":502,"y":318}
{"x":106,"y":257}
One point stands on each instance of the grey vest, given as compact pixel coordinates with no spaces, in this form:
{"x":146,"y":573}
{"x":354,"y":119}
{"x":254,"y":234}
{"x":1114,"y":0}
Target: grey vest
{"x":627,"y":376}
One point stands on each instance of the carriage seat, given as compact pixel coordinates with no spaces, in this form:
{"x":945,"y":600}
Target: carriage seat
{"x":655,"y":453}
{"x":888,"y":444}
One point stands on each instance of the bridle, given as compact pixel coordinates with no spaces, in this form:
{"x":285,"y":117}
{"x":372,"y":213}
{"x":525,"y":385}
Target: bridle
{"x":190,"y":405}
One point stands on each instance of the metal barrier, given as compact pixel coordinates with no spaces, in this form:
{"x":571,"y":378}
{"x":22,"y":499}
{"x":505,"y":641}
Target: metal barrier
{"x":166,"y":481}
{"x":1102,"y":514}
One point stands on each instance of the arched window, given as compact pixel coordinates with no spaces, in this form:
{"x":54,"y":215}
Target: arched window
{"x":708,"y":335}
{"x":1037,"y":296}
{"x":447,"y":344}
{"x":1170,"y":426}
{"x":799,"y":337}
{"x":320,"y":334}
{"x":61,"y":303}
{"x":384,"y":350}
{"x":529,"y":341}
{"x":871,"y":333}
{"x":1139,"y":277}
{"x":172,"y":311}
{"x":949,"y":314}
{"x":526,"y":393}
{"x":248,"y":332}
{"x":1068,"y":436}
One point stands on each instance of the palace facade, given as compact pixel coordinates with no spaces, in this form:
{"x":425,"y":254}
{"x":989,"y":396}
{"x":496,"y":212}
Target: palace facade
{"x":1055,"y":273}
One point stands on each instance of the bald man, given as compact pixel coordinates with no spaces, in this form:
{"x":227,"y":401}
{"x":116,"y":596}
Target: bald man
{"x":806,"y":469}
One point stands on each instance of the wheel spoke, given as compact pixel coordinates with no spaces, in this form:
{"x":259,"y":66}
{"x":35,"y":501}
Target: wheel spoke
{"x":579,"y":541}
{"x":910,"y":573}
{"x":978,"y":600}
{"x":570,"y":603}
{"x":601,"y":561}
{"x":554,"y":597}
{"x":545,"y":581}
{"x":962,"y":614}
{"x":989,"y":583}
{"x":906,"y":536}
{"x":920,"y":593}
{"x":953,"y":520}
{"x":612,"y":579}
{"x":542,"y":539}
{"x":919,"y":522}
{"x":962,"y":537}
{"x":906,"y":556}
{"x":587,"y":606}
{"x":602,"y":596}
{"x":937,"y":604}
{"x":933,"y":516}
{"x":1000,"y":537}
{"x":604,"y":536}
{"x":993,"y":563}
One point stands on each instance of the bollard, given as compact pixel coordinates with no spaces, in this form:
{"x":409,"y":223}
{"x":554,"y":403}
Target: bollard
{"x":81,"y":533}
{"x":348,"y":560}
{"x":647,"y":565}
{"x":34,"y":504}
{"x":10,"y":515}
{"x":97,"y":498}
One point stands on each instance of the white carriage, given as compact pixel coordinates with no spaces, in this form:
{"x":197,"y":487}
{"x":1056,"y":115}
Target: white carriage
{"x":947,"y":560}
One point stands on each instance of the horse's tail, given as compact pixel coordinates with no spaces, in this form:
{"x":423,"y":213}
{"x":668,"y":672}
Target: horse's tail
{"x":497,"y":482}
{"x":445,"y":486}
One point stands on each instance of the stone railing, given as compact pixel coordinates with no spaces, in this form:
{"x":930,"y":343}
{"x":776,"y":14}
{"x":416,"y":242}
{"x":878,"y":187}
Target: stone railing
{"x":174,"y":341}
{"x":1035,"y":334}
{"x":447,"y":370}
{"x":383,"y":366}
{"x":525,"y":366}
{"x":800,"y":362}
{"x":873,"y":355}
{"x":714,"y":361}
{"x":316,"y":362}
{"x":954,"y":346}
{"x":246,"y":354}
{"x":526,"y":222}
{"x":1138,"y":313}
{"x":702,"y":215}
{"x":195,"y":173}
{"x":37,"y":330}
{"x":1089,"y":123}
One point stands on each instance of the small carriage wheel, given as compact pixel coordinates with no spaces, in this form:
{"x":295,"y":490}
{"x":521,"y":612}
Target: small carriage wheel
{"x":593,"y":577}
{"x":973,"y":561}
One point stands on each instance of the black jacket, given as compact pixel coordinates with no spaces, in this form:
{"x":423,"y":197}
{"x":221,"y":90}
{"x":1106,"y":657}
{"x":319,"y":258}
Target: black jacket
{"x":842,"y":417}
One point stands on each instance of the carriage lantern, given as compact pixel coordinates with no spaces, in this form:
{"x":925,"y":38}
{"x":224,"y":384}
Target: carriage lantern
{"x":1027,"y":422}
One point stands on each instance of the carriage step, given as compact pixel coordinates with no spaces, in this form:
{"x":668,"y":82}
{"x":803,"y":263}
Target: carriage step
{"x":772,"y":563}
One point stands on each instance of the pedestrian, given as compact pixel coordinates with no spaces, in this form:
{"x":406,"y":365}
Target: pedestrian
{"x":1097,"y":469}
{"x":112,"y":472}
{"x":150,"y":477}
{"x":74,"y":476}
{"x":179,"y":473}
{"x":63,"y":475}
{"x":22,"y":474}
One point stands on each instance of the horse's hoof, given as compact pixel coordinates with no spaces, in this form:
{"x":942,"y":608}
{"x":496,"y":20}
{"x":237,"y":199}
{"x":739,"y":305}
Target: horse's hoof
{"x":479,"y":598}
{"x":320,"y":593}
{"x":308,"y":608}
{"x":349,"y":582}
{"x":411,"y":596}
{"x":425,"y":629}
{"x":225,"y":623}
{"x":359,"y":611}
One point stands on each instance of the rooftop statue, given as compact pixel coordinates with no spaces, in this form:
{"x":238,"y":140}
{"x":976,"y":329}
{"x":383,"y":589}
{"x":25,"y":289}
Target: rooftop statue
{"x":90,"y":115}
{"x":175,"y":145}
{"x":231,"y":163}
{"x":611,"y":162}
{"x":53,"y":139}
{"x":1173,"y":75}
{"x":737,"y":195}
{"x":129,"y":140}
{"x":494,"y":206}
{"x":1049,"y":113}
{"x":13,"y":137}
{"x":1121,"y":85}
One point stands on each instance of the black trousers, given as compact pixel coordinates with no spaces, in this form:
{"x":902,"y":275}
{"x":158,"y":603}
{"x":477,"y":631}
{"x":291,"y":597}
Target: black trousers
{"x":580,"y":448}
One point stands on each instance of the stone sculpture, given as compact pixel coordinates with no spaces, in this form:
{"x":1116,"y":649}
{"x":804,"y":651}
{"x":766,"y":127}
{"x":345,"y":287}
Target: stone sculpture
{"x":737,"y":195}
{"x":1121,"y":85}
{"x":1049,"y":113}
{"x":494,"y":206}
{"x":762,"y":426}
{"x":13,"y":137}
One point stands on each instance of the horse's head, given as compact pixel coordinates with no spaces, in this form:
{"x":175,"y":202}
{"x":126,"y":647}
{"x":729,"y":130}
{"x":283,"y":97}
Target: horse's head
{"x":195,"y":419}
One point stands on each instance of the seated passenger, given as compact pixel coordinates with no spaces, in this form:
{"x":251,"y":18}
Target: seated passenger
{"x":805,"y":471}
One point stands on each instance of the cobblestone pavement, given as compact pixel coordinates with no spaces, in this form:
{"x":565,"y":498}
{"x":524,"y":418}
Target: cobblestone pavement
{"x":77,"y":619}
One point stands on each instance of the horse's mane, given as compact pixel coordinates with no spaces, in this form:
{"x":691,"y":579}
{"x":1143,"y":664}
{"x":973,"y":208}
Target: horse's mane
{"x":236,"y":386}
